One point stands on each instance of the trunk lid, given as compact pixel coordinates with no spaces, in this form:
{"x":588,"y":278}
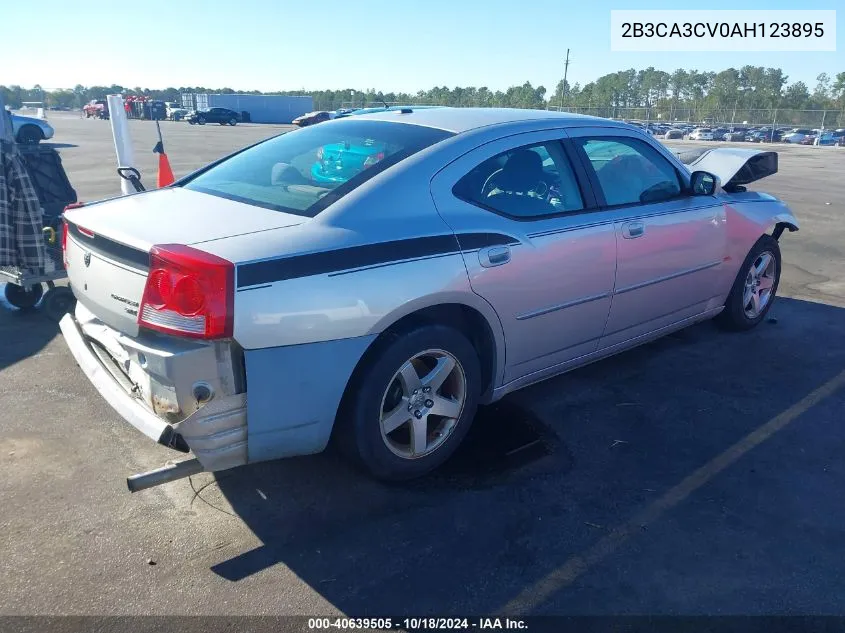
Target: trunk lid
{"x":109,"y":243}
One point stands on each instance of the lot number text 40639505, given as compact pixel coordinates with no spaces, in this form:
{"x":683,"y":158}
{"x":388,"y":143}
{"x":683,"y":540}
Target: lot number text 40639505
{"x":417,"y":624}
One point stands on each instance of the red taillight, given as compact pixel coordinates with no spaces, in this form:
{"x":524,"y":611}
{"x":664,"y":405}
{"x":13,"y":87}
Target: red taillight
{"x":74,"y":205}
{"x":64,"y":242}
{"x":188,"y":293}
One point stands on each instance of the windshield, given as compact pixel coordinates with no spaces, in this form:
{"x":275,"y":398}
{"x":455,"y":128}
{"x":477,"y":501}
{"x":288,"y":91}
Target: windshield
{"x":296,"y":172}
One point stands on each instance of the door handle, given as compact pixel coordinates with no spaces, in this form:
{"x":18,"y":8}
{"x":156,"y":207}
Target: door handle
{"x":633,"y":230}
{"x":494,"y":256}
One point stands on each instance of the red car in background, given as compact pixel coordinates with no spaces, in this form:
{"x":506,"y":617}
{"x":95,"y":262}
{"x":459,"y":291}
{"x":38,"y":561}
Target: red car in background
{"x":96,"y":109}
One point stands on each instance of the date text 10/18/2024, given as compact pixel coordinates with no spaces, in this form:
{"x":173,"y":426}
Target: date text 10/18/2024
{"x":417,"y":624}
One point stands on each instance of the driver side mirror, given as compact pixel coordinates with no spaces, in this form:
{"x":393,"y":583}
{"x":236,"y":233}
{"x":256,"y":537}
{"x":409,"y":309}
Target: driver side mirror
{"x":703,"y":183}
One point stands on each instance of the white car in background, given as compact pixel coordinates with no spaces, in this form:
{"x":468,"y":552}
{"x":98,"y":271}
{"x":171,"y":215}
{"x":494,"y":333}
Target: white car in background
{"x":31,"y":130}
{"x":701,"y":134}
{"x":176,"y":112}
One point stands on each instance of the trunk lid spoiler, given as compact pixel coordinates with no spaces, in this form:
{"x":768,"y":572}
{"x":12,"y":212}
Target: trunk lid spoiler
{"x":734,"y":166}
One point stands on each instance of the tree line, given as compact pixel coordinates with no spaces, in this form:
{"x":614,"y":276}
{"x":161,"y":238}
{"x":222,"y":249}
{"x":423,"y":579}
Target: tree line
{"x":746,"y":88}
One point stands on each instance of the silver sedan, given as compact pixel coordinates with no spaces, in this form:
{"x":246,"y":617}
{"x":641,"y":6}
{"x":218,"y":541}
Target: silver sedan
{"x":373,"y":280}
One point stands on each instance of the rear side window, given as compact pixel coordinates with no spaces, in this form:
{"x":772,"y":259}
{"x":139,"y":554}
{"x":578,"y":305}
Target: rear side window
{"x":526,"y":182}
{"x":630,"y":171}
{"x":304,"y":171}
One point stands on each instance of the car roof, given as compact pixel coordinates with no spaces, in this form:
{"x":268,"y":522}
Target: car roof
{"x":459,"y":120}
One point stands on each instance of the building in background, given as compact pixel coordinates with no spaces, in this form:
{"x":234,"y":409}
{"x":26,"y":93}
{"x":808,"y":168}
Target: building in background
{"x":259,"y":108}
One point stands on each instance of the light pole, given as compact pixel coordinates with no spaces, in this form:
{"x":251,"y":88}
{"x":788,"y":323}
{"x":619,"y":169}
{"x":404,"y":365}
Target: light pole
{"x":563,"y":87}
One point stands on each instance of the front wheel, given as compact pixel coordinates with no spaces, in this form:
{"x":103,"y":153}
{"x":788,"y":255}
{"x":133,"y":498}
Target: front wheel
{"x":755,"y":287}
{"x":201,"y":121}
{"x":233,"y":122}
{"x":412,"y":403}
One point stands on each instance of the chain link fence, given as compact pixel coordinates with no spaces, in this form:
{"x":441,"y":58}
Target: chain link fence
{"x":727,"y":117}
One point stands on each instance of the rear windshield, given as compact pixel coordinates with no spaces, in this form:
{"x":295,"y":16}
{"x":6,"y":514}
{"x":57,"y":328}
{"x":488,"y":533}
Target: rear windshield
{"x":306,"y":170}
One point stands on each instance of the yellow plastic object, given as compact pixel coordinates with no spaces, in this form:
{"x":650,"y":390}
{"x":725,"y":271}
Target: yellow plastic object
{"x":50,"y":234}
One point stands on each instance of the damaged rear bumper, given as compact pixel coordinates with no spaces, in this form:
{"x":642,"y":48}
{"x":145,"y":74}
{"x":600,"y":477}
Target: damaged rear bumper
{"x":152,"y":383}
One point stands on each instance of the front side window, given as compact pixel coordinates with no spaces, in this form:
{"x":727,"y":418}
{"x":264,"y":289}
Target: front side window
{"x":527,"y":182}
{"x":304,"y":171}
{"x":630,"y":171}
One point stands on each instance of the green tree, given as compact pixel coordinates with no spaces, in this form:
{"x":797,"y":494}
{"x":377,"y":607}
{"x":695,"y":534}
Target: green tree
{"x":796,"y":96}
{"x":822,"y":91}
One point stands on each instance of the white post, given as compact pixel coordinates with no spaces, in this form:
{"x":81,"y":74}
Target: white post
{"x":6,"y":131}
{"x":122,"y":140}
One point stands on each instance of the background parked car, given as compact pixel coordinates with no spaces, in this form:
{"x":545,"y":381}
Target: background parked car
{"x":223,"y":116}
{"x":764,"y":136}
{"x":310,"y":118}
{"x":96,"y":109}
{"x":825,"y":138}
{"x":701,"y":134}
{"x":734,"y":136}
{"x":29,"y":130}
{"x":176,"y":112}
{"x":796,"y":135}
{"x":674,"y":133}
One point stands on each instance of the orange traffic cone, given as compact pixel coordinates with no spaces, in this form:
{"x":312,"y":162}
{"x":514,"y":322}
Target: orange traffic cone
{"x":165,"y":174}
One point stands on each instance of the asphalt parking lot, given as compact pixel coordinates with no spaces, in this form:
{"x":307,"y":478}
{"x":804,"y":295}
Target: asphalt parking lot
{"x":701,"y":474}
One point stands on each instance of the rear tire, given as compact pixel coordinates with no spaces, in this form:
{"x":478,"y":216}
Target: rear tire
{"x":23,"y":298}
{"x":411,"y":403}
{"x":233,"y":122}
{"x":755,"y":287}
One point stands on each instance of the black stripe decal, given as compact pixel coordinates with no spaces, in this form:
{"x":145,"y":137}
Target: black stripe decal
{"x":352,"y":271}
{"x":368,"y":255}
{"x":474,"y":241}
{"x":111,"y":249}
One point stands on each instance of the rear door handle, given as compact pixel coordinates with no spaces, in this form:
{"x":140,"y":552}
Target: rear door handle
{"x":494,"y":256}
{"x":633,"y":230}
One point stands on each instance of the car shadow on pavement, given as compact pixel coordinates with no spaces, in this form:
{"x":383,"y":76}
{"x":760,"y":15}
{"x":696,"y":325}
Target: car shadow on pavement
{"x":23,"y":333}
{"x":545,"y":474}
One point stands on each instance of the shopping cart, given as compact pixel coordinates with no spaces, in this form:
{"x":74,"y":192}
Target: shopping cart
{"x":24,"y":287}
{"x":25,"y":280}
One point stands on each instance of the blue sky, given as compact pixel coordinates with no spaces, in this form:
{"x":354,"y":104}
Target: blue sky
{"x":397,"y":45}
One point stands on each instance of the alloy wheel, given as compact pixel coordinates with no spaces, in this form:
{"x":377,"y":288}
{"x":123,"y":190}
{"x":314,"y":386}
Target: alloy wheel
{"x":759,"y":282}
{"x":422,"y":404}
